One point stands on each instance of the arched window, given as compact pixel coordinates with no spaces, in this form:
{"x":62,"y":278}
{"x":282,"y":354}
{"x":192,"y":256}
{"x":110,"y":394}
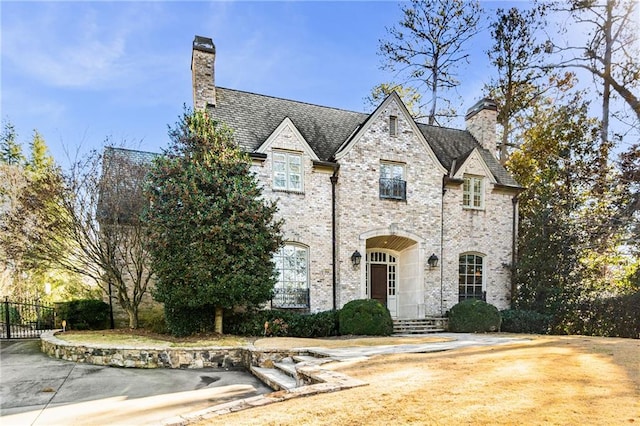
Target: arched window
{"x":471,"y":277}
{"x":292,"y":269}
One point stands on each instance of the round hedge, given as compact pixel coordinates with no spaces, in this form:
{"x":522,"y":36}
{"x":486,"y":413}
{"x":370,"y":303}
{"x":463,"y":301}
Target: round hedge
{"x":474,"y":316}
{"x":366,"y":317}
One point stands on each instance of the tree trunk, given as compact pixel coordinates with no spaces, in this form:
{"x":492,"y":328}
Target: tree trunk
{"x":133,"y":317}
{"x":218,"y":320}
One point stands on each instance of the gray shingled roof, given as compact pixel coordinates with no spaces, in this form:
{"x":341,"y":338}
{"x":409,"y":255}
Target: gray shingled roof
{"x":254,"y":117}
{"x":454,"y":144}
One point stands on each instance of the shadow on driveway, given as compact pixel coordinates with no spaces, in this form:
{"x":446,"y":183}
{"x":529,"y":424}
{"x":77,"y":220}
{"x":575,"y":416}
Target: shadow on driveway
{"x":38,"y":390}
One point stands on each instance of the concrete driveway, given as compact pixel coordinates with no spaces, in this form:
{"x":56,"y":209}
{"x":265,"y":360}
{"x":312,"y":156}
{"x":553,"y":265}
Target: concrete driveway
{"x":38,"y":390}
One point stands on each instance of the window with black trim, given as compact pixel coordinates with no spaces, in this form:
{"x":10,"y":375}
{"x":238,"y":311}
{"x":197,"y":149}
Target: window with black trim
{"x":392,"y":181}
{"x":287,"y":171}
{"x":471,"y":277}
{"x":292,"y":269}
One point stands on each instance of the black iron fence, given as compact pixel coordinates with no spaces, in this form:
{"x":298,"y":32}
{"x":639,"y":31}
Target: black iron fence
{"x":25,"y":319}
{"x":295,"y":298}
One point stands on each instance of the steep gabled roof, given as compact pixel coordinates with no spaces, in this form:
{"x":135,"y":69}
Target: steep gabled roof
{"x":454,"y":144}
{"x":254,"y":117}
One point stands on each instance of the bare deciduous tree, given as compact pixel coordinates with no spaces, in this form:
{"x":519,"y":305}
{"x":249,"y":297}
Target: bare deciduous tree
{"x":427,"y":46}
{"x":87,"y":221}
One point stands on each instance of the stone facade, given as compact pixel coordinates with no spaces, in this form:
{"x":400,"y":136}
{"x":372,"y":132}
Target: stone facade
{"x":340,"y":205}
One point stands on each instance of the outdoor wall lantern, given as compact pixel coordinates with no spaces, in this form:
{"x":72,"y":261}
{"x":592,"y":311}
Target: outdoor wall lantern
{"x":355,"y":258}
{"x":433,"y":260}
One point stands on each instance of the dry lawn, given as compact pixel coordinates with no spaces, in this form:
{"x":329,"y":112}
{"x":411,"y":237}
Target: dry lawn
{"x":548,"y":380}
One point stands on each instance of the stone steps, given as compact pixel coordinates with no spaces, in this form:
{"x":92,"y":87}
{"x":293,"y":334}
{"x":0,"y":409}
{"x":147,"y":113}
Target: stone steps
{"x":420,"y":325}
{"x":277,"y":378}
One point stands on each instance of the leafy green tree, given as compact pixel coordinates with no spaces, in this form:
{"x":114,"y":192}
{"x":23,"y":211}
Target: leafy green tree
{"x":212,"y":236}
{"x":565,"y":243}
{"x":31,"y":190}
{"x":427,"y":46}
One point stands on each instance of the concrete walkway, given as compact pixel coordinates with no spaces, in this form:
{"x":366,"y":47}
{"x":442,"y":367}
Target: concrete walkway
{"x":458,"y":341}
{"x":38,"y":390}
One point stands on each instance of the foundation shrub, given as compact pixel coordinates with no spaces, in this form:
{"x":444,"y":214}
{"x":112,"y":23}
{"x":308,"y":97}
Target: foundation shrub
{"x":84,"y":314}
{"x":523,"y":321}
{"x":281,"y":323}
{"x":365,"y":317}
{"x":474,"y":316}
{"x":187,"y":320}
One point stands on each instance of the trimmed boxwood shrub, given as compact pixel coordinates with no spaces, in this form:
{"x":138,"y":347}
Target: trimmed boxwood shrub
{"x":282,"y":323}
{"x":523,"y":321}
{"x":474,"y":316}
{"x":84,"y":314}
{"x":366,"y":317}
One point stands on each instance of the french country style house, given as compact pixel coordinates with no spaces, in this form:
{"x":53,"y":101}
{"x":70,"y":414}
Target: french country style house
{"x":375,"y":205}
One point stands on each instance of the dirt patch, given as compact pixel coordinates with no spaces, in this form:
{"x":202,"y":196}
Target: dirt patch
{"x":546,"y":380}
{"x":342,"y":342}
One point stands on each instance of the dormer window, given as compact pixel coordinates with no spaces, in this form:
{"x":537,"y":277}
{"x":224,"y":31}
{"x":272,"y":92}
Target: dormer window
{"x":472,"y":192}
{"x":287,"y":172}
{"x":393,"y":125}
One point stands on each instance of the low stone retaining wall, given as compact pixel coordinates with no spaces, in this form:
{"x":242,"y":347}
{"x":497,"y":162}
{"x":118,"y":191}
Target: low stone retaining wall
{"x":162,"y":357}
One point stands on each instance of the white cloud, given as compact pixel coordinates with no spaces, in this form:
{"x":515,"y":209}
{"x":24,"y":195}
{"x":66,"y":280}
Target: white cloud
{"x":75,"y":45}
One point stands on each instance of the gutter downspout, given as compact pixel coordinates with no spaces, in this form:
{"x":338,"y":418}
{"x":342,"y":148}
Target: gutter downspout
{"x":514,"y":248}
{"x":334,"y":182}
{"x":444,"y":191}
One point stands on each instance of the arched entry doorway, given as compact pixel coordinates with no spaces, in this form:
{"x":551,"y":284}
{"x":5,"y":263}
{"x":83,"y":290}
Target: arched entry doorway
{"x":394,"y":270}
{"x":382,"y":275}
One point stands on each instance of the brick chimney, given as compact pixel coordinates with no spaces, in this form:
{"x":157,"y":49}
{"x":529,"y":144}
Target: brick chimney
{"x":481,"y":122}
{"x":203,"y":58}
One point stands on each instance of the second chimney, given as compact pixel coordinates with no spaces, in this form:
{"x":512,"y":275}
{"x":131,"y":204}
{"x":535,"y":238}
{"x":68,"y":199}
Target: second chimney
{"x":203,"y":58}
{"x":481,"y":122}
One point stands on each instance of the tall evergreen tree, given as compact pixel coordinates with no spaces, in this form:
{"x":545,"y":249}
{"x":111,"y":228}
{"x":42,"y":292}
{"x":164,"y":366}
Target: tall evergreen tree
{"x":212,"y":235}
{"x":10,"y":149}
{"x":516,"y":54}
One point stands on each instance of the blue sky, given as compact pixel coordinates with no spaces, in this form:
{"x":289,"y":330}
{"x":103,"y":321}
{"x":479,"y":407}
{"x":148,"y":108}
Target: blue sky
{"x":80,"y":72}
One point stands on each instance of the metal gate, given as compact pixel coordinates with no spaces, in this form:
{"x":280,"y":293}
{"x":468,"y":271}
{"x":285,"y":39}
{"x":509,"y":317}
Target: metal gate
{"x":25,"y":319}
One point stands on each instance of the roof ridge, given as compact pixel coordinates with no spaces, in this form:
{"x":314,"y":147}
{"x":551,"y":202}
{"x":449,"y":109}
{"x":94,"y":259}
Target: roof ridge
{"x":117,"y":148}
{"x":441,"y":127}
{"x":291,"y":100}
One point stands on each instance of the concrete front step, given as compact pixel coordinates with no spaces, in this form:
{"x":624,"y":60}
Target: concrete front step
{"x":419,"y":325}
{"x":275,"y":378}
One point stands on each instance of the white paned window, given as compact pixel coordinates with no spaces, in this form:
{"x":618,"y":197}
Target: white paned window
{"x":292,"y":269}
{"x":287,"y":172}
{"x":472,"y":192}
